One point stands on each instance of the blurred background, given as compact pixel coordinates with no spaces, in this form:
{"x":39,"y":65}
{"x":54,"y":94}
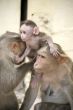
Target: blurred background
{"x":55,"y":17}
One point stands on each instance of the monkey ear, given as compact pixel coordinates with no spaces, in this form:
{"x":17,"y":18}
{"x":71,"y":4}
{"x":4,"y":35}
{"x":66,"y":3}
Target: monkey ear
{"x":14,"y":47}
{"x":61,"y":59}
{"x":36,"y":30}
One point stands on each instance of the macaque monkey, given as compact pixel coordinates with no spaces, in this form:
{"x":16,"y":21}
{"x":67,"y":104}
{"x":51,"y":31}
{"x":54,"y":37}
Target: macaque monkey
{"x":11,"y":74}
{"x":53,"y":78}
{"x":34,"y":39}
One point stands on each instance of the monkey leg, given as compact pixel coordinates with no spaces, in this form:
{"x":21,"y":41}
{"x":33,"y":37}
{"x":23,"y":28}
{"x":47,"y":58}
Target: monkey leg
{"x":51,"y":106}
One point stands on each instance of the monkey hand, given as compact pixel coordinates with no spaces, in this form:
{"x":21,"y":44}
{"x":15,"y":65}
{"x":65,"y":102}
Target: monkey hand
{"x":18,"y":59}
{"x":54,"y":51}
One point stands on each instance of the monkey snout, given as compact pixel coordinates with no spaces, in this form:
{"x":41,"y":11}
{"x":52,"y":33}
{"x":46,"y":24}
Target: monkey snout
{"x":35,"y":65}
{"x":36,"y":68}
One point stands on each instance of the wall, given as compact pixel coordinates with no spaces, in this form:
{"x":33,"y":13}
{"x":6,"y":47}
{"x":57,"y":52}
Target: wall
{"x":9,"y":15}
{"x":55,"y":17}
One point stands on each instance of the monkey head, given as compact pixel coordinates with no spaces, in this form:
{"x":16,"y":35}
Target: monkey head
{"x":44,"y":61}
{"x":17,"y":46}
{"x":11,"y":45}
{"x":28,"y":29}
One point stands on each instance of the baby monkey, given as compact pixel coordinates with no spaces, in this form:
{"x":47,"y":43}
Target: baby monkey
{"x":34,"y":40}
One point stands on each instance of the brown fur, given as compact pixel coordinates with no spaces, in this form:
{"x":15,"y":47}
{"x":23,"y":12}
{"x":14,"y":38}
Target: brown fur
{"x":56,"y":74}
{"x":10,"y":76}
{"x":54,"y":81}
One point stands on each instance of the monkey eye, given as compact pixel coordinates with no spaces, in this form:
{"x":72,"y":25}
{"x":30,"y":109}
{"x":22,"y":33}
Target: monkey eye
{"x":22,"y":32}
{"x":41,"y":56}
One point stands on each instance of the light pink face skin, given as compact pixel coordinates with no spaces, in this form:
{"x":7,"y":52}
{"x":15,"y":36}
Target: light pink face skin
{"x":40,"y":64}
{"x":26,"y":32}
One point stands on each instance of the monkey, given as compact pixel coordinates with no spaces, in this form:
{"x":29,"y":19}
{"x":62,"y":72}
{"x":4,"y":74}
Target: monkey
{"x":53,"y":78}
{"x":30,"y":33}
{"x":10,"y":73}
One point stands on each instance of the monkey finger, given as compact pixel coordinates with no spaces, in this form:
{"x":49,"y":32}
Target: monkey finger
{"x":63,"y":55}
{"x":56,"y":53}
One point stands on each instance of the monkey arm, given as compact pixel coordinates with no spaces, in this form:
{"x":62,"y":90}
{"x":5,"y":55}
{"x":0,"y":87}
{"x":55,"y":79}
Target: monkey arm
{"x":69,"y":93}
{"x":26,"y":52}
{"x":53,"y":47}
{"x":48,"y":39}
{"x":19,"y":59}
{"x":59,"y":98}
{"x":67,"y":86}
{"x":31,"y":93}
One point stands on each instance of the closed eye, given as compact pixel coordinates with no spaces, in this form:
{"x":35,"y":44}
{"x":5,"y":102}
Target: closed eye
{"x":42,"y":56}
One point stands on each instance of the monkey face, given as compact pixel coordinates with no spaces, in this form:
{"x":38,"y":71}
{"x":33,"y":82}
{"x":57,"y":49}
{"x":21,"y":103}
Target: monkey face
{"x":44,"y":61}
{"x":26,"y":32}
{"x":41,"y":63}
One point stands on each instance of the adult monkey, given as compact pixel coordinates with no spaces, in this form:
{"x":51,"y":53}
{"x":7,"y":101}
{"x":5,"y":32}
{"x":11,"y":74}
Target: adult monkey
{"x":10,"y":75}
{"x":54,"y":78}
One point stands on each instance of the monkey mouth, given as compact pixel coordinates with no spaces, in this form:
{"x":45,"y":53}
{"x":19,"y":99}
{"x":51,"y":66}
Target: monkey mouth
{"x":37,"y":70}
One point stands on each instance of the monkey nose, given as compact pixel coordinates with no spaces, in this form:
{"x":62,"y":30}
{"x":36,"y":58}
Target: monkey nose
{"x":35,"y":65}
